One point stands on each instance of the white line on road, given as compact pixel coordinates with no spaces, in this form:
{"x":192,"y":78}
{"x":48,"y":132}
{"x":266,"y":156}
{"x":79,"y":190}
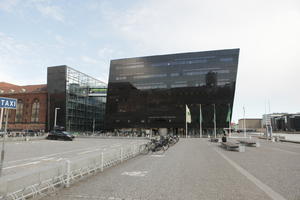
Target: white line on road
{"x":45,"y":156}
{"x":46,"y":159}
{"x":85,"y":152}
{"x":282,"y":150}
{"x":137,"y":173}
{"x":158,"y":156}
{"x":22,"y":165}
{"x":271,"y":193}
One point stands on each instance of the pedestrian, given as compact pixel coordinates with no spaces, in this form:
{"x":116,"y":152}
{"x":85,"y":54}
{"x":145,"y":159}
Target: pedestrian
{"x":224,"y":138}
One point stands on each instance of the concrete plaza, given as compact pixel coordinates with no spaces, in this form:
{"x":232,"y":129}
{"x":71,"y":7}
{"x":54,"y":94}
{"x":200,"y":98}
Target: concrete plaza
{"x":198,"y":169}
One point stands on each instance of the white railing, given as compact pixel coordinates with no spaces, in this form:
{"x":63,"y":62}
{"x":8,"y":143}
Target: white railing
{"x":63,"y":173}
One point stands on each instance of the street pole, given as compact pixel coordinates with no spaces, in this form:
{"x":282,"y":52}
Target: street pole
{"x":3,"y":142}
{"x":215,"y":126}
{"x":1,"y":117}
{"x":200,"y":121}
{"x":69,"y":125}
{"x":55,"y":117}
{"x":244,"y":123}
{"x":93,"y":126}
{"x":185,"y":128}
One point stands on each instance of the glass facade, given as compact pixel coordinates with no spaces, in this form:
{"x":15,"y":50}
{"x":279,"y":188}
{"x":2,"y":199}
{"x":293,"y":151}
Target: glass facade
{"x":79,"y":108}
{"x":151,"y":92}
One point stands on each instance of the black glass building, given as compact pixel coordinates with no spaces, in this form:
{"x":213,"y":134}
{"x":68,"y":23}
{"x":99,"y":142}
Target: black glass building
{"x":79,"y":100}
{"x":153,"y":91}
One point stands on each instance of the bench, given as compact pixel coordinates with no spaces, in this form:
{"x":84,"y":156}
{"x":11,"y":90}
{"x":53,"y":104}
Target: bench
{"x":249,"y":142}
{"x":233,"y":146}
{"x":214,"y":139}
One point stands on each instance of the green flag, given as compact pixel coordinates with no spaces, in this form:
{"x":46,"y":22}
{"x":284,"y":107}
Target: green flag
{"x":201,"y":119}
{"x":228,"y":114}
{"x":188,"y":117}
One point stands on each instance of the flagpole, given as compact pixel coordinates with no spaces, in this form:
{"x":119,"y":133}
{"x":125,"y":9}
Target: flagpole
{"x":185,"y":129}
{"x":215,"y":127}
{"x":229,"y":121}
{"x":185,"y":121}
{"x":244,"y":122}
{"x":200,"y":122}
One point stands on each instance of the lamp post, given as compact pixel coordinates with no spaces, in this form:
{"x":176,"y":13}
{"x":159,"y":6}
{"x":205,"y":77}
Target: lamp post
{"x":244,"y":123}
{"x":55,"y":117}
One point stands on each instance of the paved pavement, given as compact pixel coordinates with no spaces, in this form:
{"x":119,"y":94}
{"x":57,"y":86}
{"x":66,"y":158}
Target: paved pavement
{"x":198,"y":169}
{"x":32,"y":155}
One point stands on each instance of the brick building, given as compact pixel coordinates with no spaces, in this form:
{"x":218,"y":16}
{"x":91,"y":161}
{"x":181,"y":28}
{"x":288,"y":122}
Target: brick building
{"x":31,"y":112}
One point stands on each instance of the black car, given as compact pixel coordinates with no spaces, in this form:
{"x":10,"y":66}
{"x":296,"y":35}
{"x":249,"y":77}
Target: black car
{"x":61,"y":135}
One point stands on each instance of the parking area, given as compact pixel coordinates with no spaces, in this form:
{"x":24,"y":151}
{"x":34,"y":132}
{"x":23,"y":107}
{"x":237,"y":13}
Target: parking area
{"x":198,"y":169}
{"x":23,"y":156}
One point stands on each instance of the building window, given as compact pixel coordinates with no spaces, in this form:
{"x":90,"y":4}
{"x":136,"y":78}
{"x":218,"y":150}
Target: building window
{"x":19,"y":111}
{"x":35,"y":111}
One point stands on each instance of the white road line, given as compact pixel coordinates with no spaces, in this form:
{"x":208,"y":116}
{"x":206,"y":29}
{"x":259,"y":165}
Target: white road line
{"x":85,"y":152}
{"x":286,"y":144}
{"x":45,"y":156}
{"x":59,"y":159}
{"x":271,"y":193}
{"x":46,"y":159}
{"x":136,"y":173}
{"x":22,"y":165}
{"x":282,"y":150}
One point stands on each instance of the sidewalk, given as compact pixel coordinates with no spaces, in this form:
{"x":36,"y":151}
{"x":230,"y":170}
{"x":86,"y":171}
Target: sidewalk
{"x":197,"y":169}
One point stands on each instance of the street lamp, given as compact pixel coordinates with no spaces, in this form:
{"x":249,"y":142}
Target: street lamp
{"x":55,"y":116}
{"x":244,"y":122}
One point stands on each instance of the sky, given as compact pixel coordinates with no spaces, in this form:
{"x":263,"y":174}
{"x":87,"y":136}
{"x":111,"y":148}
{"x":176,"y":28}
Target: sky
{"x":87,"y":34}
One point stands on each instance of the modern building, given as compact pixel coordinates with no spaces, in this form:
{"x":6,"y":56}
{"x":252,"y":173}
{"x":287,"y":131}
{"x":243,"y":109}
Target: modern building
{"x":31,"y":112}
{"x":76,"y":101}
{"x":152,"y":92}
{"x":250,"y":124}
{"x":284,"y":121}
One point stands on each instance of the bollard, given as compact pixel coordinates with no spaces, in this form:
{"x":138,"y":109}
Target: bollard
{"x":68,"y":173}
{"x":102,"y":164}
{"x":121,"y":154}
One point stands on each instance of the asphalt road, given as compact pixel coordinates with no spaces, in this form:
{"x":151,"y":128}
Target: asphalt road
{"x":23,"y":156}
{"x":197,"y":169}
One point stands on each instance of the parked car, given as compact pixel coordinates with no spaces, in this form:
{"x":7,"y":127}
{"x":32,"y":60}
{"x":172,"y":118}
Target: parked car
{"x":61,"y":135}
{"x":1,"y":133}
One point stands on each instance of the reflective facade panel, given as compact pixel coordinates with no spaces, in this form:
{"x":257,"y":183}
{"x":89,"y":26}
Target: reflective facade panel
{"x":151,"y":92}
{"x":77,"y":95}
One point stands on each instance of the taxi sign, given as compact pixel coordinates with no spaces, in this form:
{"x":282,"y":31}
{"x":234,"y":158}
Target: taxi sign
{"x":8,"y":103}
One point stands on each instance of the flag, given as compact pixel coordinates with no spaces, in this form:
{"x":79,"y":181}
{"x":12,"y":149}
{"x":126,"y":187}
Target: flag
{"x":214,"y":113}
{"x":188,"y":117}
{"x":200,"y":120}
{"x":228,"y":114}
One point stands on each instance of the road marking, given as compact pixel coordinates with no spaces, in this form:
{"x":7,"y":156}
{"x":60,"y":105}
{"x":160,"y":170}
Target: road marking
{"x":271,"y":193}
{"x":282,"y":150}
{"x":22,"y":165}
{"x":59,"y":159}
{"x":85,"y":152}
{"x":46,"y":159}
{"x":49,"y":155}
{"x":136,"y":173}
{"x":286,"y":144}
{"x":158,"y":156}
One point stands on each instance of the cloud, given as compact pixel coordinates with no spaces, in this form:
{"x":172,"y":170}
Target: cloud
{"x":53,"y":12}
{"x":44,"y":7}
{"x":89,"y":60}
{"x":60,"y":39}
{"x":8,"y":5}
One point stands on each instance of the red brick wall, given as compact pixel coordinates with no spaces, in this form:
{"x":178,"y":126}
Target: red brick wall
{"x":28,"y":99}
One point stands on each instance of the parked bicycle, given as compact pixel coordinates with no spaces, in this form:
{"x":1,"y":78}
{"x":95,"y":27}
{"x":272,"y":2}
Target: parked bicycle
{"x":159,"y":145}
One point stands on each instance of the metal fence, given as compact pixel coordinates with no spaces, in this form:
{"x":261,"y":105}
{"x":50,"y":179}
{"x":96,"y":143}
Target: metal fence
{"x":64,"y":173}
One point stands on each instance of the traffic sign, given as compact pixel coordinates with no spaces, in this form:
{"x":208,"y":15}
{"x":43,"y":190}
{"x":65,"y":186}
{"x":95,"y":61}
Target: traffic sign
{"x":8,"y":103}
